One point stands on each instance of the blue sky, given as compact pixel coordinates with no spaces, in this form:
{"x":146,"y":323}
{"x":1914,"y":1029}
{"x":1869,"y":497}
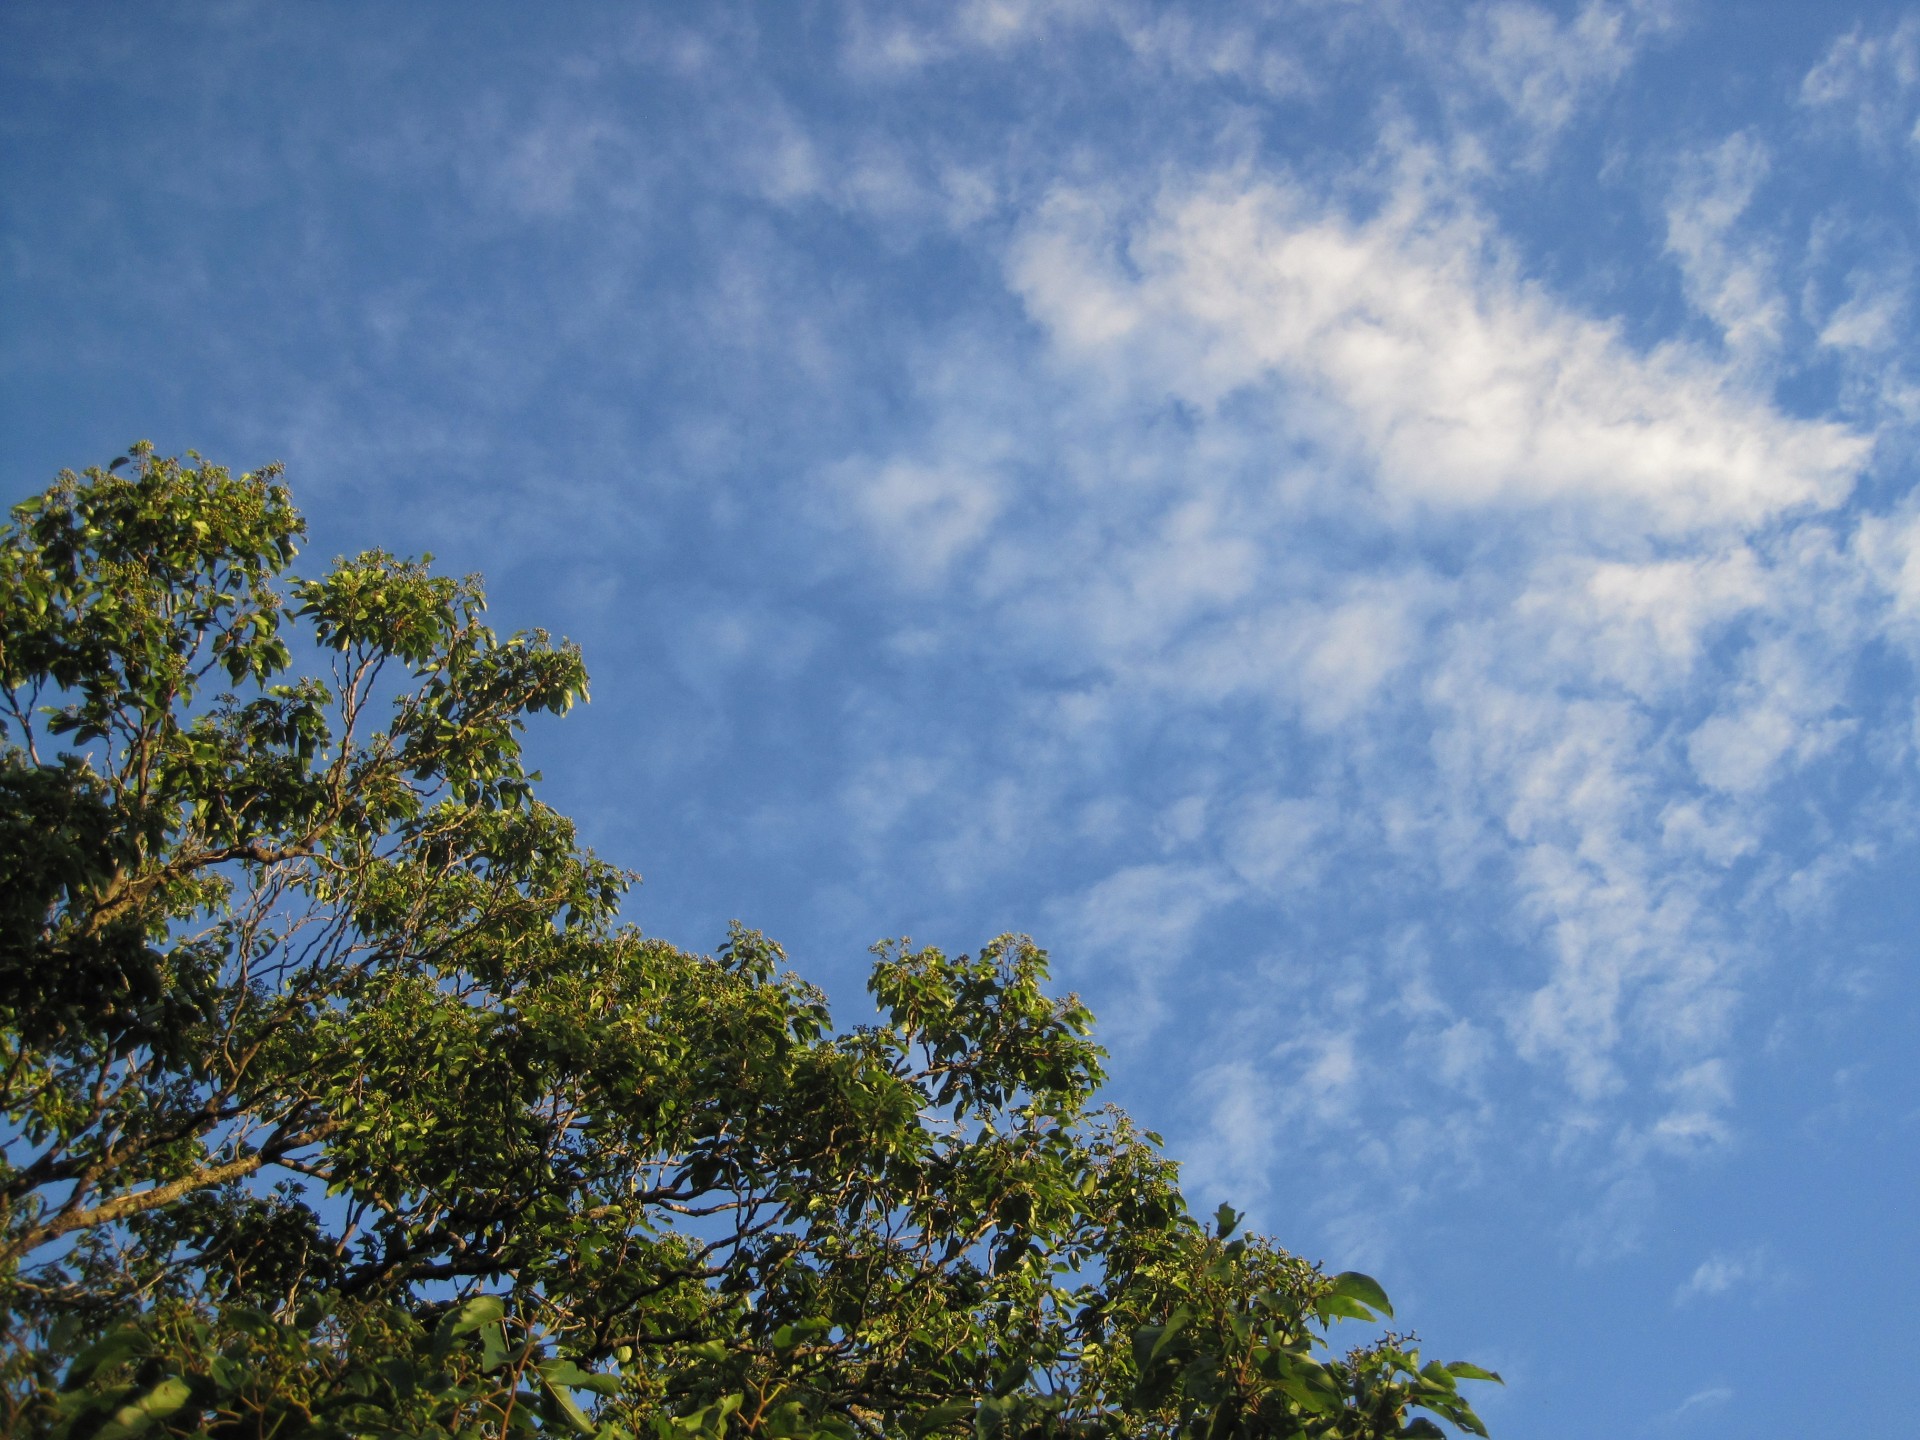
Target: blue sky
{"x":1383,"y":534}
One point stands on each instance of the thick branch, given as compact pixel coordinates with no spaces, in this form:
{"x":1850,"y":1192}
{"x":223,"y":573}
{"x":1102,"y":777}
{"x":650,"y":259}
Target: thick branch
{"x":141,"y":1201}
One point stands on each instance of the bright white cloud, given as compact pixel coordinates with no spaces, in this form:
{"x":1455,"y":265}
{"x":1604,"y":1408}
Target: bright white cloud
{"x":1454,"y":381}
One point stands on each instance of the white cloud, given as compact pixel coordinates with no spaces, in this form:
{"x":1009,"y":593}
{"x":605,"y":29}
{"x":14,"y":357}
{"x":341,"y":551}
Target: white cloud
{"x":882,"y":791}
{"x":1459,"y":602}
{"x":930,"y":514}
{"x":1727,"y":269}
{"x":1277,"y":843}
{"x":1872,"y":317}
{"x":1418,"y":352}
{"x":1463,"y":1051}
{"x":1869,"y":80}
{"x":1143,"y":920}
{"x":1543,"y":66}
{"x":1722,"y":1272}
{"x":1550,"y":618}
{"x":1711,"y":1398}
{"x":1444,"y":383}
{"x":1643,"y":625}
{"x":1712,"y":1277}
{"x":1213,"y":46}
{"x":1327,"y":1075}
{"x":1243,"y":1116}
{"x":1890,"y":546}
{"x":714,"y":637}
{"x":895,"y":41}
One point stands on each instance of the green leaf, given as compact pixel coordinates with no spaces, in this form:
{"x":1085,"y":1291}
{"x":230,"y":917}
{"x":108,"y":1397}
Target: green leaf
{"x":493,"y":1346}
{"x":1352,"y":1285}
{"x":1012,"y":1377}
{"x":1151,"y":1341}
{"x":574,"y":1376}
{"x":556,"y":1389}
{"x":1308,"y":1384}
{"x":103,"y":1354}
{"x":1341,"y":1307}
{"x":1462,"y":1370}
{"x":157,"y":1404}
{"x":940,"y":1417}
{"x":480,"y":1310}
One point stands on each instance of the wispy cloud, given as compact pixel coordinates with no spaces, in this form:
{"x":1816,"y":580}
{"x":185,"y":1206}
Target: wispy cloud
{"x":1869,"y":80}
{"x":1545,"y":66}
{"x":1710,"y":1398}
{"x":1727,"y":268}
{"x":1604,"y":616}
{"x":1382,"y":533}
{"x":1454,"y":381}
{"x":1721,"y":1272}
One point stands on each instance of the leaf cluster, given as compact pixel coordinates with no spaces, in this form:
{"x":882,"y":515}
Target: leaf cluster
{"x":336,"y":1099}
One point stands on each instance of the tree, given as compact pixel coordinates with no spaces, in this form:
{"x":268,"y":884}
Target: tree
{"x":339,"y":1101}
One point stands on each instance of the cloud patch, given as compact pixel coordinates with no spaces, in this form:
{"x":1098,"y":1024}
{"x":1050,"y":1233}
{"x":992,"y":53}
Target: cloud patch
{"x":1552,"y":622}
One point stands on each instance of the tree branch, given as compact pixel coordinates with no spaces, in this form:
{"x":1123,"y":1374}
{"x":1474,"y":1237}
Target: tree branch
{"x":141,"y":1201}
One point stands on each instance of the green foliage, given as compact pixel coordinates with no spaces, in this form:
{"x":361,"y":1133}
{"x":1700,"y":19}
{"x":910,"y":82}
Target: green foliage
{"x":338,"y":1101}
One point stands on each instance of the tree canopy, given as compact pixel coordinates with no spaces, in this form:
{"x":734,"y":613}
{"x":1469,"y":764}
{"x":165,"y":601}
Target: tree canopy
{"x":339,"y":1100}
